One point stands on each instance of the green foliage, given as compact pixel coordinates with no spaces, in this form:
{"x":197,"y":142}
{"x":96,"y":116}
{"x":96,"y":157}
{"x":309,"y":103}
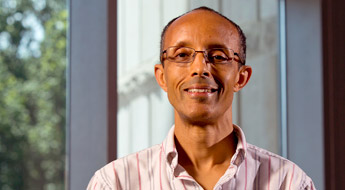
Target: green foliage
{"x":32,"y":94}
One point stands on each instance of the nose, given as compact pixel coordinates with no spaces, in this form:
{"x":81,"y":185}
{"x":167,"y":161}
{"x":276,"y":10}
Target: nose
{"x":199,"y":66}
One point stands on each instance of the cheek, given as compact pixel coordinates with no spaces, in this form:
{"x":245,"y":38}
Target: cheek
{"x":230,"y":79}
{"x":174,"y":78}
{"x":225,"y":77}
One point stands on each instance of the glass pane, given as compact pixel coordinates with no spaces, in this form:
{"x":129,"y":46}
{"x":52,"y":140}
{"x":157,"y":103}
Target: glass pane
{"x":32,"y":94}
{"x":257,"y":106}
{"x":145,"y":114}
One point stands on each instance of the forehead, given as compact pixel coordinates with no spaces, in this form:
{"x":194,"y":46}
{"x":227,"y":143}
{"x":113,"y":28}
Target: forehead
{"x":202,"y":28}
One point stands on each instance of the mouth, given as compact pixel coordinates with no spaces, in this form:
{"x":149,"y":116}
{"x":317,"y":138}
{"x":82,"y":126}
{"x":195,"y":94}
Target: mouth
{"x":200,"y":91}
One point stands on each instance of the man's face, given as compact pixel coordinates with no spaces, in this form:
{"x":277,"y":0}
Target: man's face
{"x":200,"y":92}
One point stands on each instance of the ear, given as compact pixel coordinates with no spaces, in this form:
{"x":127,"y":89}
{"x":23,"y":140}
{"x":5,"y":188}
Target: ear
{"x":243,"y":77}
{"x":160,"y":77}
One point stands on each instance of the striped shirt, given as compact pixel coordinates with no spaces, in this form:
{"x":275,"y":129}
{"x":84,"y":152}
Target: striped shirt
{"x":157,"y":168}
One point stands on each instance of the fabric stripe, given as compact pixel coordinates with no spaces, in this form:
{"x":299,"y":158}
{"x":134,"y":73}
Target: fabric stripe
{"x":149,"y":167}
{"x":94,"y":187}
{"x":115,"y":175}
{"x":245,"y":168}
{"x":279,"y":179}
{"x":269,"y":173}
{"x":185,"y":176}
{"x":259,"y":175}
{"x":293,"y":171}
{"x":128,"y":174}
{"x":170,"y":180}
{"x":284,"y":164}
{"x":184,"y":186}
{"x":160,"y":168}
{"x":125,"y":173}
{"x":256,"y":169}
{"x":302,"y":181}
{"x":104,"y":177}
{"x":311,"y":185}
{"x":139,"y":177}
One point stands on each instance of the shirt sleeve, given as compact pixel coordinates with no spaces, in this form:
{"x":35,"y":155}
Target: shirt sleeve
{"x":96,"y":183}
{"x":309,"y":185}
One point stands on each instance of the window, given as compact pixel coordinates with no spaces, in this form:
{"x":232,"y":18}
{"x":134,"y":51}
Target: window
{"x":32,"y":94}
{"x":145,"y":115}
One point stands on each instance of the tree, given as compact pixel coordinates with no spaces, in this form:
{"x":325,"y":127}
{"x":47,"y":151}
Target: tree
{"x":32,"y":94}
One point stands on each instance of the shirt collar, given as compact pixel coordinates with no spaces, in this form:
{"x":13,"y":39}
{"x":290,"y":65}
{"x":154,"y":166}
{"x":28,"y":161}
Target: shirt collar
{"x":241,"y":149}
{"x":169,"y":148}
{"x":170,"y":152}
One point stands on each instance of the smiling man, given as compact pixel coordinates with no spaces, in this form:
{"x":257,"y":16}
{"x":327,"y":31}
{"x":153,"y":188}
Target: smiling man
{"x":202,"y":66}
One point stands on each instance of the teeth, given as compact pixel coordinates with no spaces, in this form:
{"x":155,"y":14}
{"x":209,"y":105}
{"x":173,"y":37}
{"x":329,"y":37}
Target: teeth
{"x":199,"y":90}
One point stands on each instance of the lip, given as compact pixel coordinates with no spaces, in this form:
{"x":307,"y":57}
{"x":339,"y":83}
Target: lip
{"x":201,"y":90}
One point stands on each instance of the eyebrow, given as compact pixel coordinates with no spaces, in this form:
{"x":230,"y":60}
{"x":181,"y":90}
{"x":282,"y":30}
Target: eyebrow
{"x":217,"y":46}
{"x":209,"y":46}
{"x":182,"y":44}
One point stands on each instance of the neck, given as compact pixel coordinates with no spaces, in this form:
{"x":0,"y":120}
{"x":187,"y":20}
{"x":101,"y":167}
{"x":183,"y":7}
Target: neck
{"x":207,"y":146}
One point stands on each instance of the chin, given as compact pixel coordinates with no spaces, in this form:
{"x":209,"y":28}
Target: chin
{"x":201,"y":122}
{"x":199,"y":118}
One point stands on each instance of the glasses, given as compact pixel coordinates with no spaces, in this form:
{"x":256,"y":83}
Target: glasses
{"x":187,"y":55}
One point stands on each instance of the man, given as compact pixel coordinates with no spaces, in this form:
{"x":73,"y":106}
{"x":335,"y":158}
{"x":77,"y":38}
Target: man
{"x":202,"y":66}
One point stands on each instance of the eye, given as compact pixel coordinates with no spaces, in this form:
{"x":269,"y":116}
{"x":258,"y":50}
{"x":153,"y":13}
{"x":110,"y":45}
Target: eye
{"x":218,"y":56}
{"x":181,"y":55}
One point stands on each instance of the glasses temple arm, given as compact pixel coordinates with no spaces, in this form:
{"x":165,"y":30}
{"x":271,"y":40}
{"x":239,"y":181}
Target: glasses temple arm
{"x":239,"y":58}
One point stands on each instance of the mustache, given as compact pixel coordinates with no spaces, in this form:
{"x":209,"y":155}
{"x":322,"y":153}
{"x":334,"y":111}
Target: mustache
{"x":200,"y":81}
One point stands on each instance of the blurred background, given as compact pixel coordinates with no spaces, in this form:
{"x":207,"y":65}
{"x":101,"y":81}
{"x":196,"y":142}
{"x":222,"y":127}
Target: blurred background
{"x":33,"y":94}
{"x":77,"y":86}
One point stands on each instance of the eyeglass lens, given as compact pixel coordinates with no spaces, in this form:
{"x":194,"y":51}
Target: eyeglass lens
{"x":187,"y":55}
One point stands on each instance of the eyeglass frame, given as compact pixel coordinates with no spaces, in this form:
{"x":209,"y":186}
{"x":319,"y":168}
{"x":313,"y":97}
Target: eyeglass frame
{"x":204,"y":52}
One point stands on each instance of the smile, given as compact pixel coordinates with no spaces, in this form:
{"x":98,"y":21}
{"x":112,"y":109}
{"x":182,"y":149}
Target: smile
{"x":193,"y":90}
{"x":200,"y":90}
{"x":197,"y":90}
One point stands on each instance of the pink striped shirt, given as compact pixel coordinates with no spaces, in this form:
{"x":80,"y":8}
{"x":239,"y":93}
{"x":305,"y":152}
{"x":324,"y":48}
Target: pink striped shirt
{"x":157,"y":168}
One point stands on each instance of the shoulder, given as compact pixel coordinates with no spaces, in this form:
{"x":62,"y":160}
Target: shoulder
{"x":136,"y":158}
{"x":289,"y":175}
{"x":260,"y":153}
{"x":109,"y":176}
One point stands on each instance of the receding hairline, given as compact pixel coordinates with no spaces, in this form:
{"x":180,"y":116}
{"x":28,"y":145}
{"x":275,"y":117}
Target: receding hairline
{"x":180,"y":21}
{"x":239,"y":32}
